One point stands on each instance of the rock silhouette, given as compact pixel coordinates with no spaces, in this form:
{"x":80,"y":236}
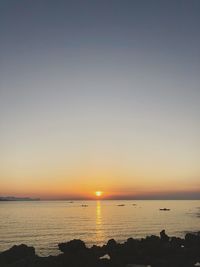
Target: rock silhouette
{"x":16,"y":254}
{"x":72,"y":246}
{"x":154,"y":251}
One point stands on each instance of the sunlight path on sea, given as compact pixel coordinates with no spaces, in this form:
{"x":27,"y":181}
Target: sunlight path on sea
{"x":99,"y":228}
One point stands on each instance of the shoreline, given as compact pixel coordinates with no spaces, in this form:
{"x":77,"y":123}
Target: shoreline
{"x":154,"y":251}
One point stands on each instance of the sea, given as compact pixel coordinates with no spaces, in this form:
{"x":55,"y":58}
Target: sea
{"x":44,"y":224}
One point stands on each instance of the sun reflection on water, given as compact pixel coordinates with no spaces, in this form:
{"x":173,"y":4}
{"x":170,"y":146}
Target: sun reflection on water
{"x":99,"y":225}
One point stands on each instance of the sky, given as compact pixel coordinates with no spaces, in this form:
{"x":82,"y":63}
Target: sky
{"x":100,"y":95}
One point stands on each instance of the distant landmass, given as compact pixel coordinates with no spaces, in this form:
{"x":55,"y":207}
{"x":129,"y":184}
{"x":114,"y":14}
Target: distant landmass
{"x":18,"y":199}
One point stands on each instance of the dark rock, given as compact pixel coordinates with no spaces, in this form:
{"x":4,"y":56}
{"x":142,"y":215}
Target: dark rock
{"x":72,"y":246}
{"x":153,"y":250}
{"x":16,"y":253}
{"x":111,"y":244}
{"x":192,"y":240}
{"x":98,"y":251}
{"x":177,"y":242}
{"x":163,"y":236}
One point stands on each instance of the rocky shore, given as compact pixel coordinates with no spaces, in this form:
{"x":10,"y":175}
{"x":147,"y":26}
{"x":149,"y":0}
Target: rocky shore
{"x":154,"y":251}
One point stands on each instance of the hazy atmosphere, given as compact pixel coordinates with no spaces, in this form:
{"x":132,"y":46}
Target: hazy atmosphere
{"x":100,"y":95}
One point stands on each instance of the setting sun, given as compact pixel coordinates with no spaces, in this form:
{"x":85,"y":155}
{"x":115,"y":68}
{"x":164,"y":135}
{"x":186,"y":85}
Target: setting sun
{"x":98,"y":193}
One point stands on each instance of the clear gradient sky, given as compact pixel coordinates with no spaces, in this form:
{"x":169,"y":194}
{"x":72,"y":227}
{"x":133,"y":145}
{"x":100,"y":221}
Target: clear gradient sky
{"x":100,"y":95}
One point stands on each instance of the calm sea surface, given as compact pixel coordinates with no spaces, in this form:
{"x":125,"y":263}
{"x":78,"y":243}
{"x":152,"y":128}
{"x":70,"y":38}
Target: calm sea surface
{"x":43,"y":224}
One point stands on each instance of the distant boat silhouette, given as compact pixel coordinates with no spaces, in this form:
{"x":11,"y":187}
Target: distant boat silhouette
{"x":121,"y":205}
{"x":164,"y":209}
{"x":84,"y":205}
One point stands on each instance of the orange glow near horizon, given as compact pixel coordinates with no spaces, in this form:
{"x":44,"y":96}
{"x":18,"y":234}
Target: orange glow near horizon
{"x":95,"y":183}
{"x":48,"y":190}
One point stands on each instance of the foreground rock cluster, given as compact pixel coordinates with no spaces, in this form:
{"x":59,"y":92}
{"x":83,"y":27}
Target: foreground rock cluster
{"x":151,"y":251}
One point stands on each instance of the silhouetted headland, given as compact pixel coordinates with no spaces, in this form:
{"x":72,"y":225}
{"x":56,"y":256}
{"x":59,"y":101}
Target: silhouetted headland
{"x":18,"y":199}
{"x":154,"y":251}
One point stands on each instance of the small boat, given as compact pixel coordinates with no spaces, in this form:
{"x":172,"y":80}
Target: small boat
{"x":121,"y":205}
{"x":164,"y":209}
{"x":84,"y":205}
